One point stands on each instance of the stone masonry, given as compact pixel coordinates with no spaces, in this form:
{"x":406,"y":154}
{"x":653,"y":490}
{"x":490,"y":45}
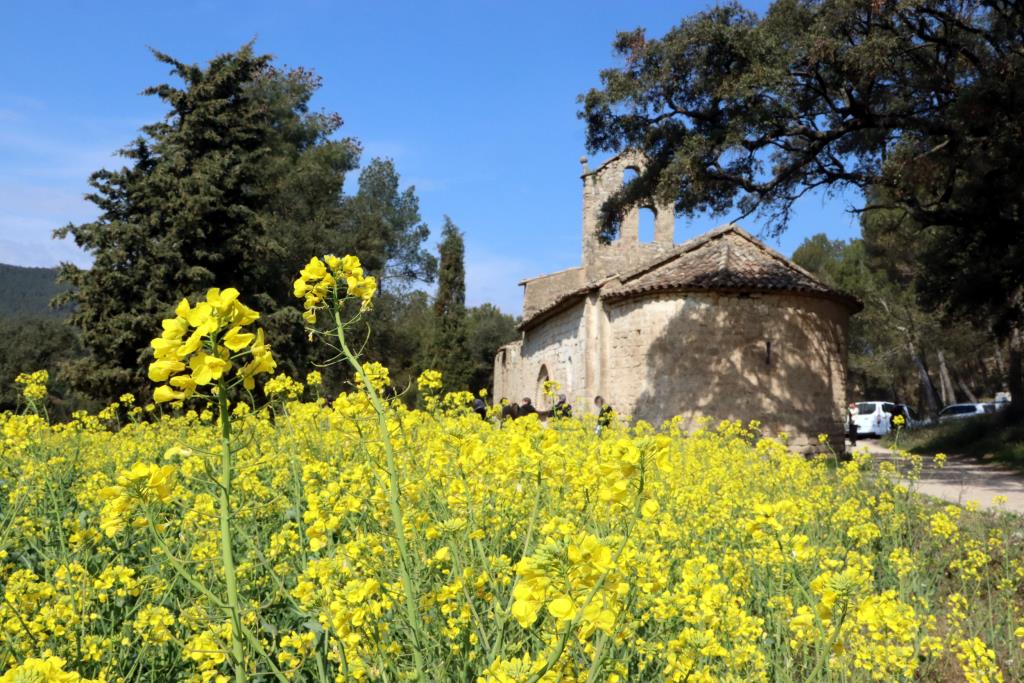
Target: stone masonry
{"x":718,"y":327}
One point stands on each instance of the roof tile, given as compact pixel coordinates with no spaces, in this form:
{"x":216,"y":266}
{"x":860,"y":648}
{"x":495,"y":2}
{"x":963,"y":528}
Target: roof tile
{"x":725,"y":259}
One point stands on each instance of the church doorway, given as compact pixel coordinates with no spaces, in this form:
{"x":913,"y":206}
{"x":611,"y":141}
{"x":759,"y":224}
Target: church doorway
{"x":538,"y":395}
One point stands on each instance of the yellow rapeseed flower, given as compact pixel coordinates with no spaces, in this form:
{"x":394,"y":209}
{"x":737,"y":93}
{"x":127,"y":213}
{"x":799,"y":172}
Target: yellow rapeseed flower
{"x":207,"y":354}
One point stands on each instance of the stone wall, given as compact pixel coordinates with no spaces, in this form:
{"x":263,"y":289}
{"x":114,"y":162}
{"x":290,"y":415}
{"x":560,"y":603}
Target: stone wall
{"x":507,"y":371}
{"x":708,"y":355}
{"x":626,"y":252}
{"x":556,"y":347}
{"x":775,"y":357}
{"x":540,"y":291}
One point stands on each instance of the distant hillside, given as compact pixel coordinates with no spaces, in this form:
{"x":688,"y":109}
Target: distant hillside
{"x":26,"y":292}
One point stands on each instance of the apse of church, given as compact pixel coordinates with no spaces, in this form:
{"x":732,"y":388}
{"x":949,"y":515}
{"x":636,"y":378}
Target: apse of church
{"x":718,"y":326}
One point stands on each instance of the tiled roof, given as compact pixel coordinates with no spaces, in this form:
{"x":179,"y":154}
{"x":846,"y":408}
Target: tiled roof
{"x":726,"y":259}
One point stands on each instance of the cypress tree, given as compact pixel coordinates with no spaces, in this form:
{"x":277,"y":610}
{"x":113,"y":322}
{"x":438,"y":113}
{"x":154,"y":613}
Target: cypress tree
{"x":450,"y":350}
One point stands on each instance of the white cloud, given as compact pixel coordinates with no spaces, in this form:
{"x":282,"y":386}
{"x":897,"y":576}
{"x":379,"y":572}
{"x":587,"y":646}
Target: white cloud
{"x":41,"y":254}
{"x":389,"y":149}
{"x":43,"y":177}
{"x":28,"y":215}
{"x":423,"y":185}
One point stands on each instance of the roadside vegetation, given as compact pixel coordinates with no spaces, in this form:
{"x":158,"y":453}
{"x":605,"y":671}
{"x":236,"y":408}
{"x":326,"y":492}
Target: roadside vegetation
{"x":988,"y":437}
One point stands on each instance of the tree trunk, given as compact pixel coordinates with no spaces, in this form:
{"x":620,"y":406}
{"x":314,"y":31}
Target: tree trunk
{"x":1016,"y":380}
{"x":966,"y":389}
{"x":984,"y":372}
{"x":948,"y":395}
{"x":1000,"y":366}
{"x":927,"y":387}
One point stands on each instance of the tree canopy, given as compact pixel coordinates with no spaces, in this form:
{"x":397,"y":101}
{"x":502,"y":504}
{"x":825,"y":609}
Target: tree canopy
{"x":917,"y":104}
{"x":238,"y":185}
{"x":899,"y":351}
{"x":487,"y":329}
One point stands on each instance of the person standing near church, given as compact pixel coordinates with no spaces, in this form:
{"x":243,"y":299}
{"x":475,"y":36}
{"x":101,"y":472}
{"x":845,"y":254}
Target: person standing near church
{"x":851,"y":425}
{"x":562,"y":409}
{"x":605,"y":414}
{"x":480,"y":408}
{"x":526,"y":407}
{"x":509,"y":410}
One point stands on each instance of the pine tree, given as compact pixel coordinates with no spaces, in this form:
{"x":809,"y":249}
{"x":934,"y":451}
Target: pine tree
{"x":449,"y":350}
{"x":383,"y":222}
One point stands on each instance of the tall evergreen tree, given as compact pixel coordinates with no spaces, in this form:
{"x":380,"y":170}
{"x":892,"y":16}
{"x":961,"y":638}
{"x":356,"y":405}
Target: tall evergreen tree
{"x":401,"y":333}
{"x":382,"y":221}
{"x":449,"y":350}
{"x":237,"y":186}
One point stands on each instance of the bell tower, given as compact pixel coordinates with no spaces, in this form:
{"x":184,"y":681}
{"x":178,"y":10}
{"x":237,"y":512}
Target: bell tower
{"x":601,"y":260}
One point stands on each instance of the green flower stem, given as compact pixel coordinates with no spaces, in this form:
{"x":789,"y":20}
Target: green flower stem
{"x":570,"y":628}
{"x":503,"y":613}
{"x":821,"y":665}
{"x":227,"y":554}
{"x":21,"y":621}
{"x":394,"y":493}
{"x":261,"y":651}
{"x":179,"y":567}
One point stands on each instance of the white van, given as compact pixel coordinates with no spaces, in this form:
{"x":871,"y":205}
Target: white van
{"x":874,"y":418}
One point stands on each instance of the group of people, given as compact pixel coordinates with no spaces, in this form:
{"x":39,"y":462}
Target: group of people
{"x":562,"y":409}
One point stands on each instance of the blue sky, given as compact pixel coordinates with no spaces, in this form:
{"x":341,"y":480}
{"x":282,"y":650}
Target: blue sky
{"x":475,"y":102}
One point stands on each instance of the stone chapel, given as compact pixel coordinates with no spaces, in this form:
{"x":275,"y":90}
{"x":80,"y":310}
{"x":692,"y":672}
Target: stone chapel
{"x":719,"y":326}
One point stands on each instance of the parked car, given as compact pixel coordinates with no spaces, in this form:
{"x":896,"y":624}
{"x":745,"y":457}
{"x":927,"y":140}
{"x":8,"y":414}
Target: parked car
{"x":963,"y":411}
{"x":911,"y":419}
{"x":875,"y":418}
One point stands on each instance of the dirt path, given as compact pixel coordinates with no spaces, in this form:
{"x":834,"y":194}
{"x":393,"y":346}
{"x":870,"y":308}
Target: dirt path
{"x":962,"y":479}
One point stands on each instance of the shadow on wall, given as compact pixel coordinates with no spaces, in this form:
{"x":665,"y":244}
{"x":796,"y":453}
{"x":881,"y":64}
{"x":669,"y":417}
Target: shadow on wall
{"x":745,"y":359}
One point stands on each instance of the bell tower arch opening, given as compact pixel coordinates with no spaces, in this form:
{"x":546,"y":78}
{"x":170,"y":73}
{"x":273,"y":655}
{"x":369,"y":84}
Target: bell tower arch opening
{"x":648,"y":219}
{"x":646,"y":230}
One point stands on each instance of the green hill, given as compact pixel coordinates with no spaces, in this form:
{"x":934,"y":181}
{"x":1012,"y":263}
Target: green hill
{"x":27,"y":292}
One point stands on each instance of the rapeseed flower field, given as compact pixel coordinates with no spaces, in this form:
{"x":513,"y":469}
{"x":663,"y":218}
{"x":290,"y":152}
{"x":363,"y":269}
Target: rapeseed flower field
{"x":229,"y":531}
